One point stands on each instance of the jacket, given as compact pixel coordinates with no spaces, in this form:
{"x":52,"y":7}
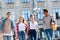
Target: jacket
{"x":3,"y":23}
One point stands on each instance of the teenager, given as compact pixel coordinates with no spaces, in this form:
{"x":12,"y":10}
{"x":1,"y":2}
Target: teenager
{"x":33,"y":26}
{"x":47,"y":24}
{"x":7,"y":27}
{"x":20,"y":29}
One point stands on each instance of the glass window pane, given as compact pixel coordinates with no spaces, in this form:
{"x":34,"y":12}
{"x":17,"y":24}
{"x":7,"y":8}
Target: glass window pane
{"x":25,"y":0}
{"x":59,"y":12}
{"x":40,"y":14}
{"x":9,"y":1}
{"x":55,"y":11}
{"x":26,"y":14}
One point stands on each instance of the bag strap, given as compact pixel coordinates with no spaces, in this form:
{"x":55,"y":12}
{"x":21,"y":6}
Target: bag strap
{"x":51,"y":19}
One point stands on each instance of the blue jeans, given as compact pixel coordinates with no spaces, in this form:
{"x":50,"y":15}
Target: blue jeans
{"x":6,"y":37}
{"x":49,"y":33}
{"x":21,"y":35}
{"x":32,"y":34}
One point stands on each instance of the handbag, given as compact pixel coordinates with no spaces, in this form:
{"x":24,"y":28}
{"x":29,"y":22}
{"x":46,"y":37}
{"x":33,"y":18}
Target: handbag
{"x":53,"y":24}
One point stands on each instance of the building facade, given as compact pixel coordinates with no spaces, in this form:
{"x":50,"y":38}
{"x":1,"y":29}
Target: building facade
{"x":26,"y":7}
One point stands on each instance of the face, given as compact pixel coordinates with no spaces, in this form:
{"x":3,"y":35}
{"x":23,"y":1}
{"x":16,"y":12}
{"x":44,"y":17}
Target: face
{"x":9,"y":16}
{"x":21,"y":19}
{"x":46,"y":13}
{"x":32,"y":18}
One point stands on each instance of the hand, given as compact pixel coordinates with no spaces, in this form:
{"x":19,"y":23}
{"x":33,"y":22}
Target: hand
{"x":16,"y":38}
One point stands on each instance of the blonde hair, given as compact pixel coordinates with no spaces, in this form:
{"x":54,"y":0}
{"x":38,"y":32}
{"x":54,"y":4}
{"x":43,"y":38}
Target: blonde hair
{"x":24,"y":21}
{"x":21,"y":17}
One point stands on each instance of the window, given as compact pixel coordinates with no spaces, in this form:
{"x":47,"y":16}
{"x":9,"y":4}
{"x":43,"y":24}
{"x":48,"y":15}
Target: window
{"x":26,"y":14}
{"x":9,"y":1}
{"x":56,"y":0}
{"x":40,"y":0}
{"x":25,"y":1}
{"x":56,"y":12}
{"x":40,"y":14}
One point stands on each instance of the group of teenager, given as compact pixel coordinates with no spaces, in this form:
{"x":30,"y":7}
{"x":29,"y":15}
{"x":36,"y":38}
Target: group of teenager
{"x":24,"y":30}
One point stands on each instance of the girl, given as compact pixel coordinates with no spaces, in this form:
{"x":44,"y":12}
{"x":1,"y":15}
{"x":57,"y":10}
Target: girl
{"x":33,"y":28}
{"x":20,"y":29}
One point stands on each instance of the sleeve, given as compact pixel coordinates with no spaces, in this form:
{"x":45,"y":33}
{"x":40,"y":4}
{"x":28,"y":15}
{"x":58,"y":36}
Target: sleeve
{"x":37,"y":27}
{"x":43,"y":22}
{"x":36,"y":24}
{"x":13,"y":25}
{"x":28,"y":28}
{"x":17,"y":27}
{"x":54,"y":20}
{"x":2,"y":24}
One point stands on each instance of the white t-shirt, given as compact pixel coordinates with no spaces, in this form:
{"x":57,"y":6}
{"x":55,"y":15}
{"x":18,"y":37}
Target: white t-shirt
{"x":21,"y":26}
{"x":33,"y":25}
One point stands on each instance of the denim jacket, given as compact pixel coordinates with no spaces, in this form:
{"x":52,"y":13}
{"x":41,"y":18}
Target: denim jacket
{"x":3,"y":23}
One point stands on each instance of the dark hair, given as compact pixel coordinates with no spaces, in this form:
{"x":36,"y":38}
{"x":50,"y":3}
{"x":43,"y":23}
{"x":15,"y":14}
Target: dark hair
{"x":45,"y":10}
{"x":31,"y":15}
{"x":23,"y":20}
{"x":8,"y":13}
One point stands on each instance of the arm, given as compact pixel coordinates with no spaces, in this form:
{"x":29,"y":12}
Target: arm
{"x":2,"y":24}
{"x":12,"y":25}
{"x":53,"y":20}
{"x":37,"y":27}
{"x":43,"y":22}
{"x":16,"y":31}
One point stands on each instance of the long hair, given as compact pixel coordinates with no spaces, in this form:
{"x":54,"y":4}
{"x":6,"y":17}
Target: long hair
{"x":23,"y":19}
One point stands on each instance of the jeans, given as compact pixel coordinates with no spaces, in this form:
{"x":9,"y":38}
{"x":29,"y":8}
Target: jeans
{"x":49,"y":33}
{"x":32,"y":34}
{"x":6,"y":37}
{"x":21,"y":35}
